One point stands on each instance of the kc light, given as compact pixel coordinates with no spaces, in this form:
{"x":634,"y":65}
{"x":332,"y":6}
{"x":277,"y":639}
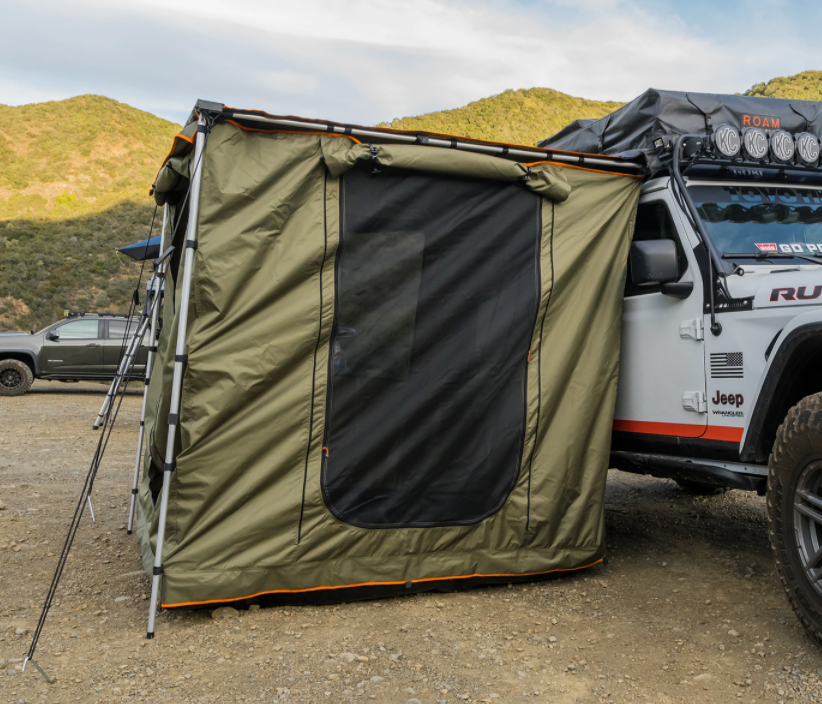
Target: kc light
{"x":755,"y":143}
{"x":782,"y":148}
{"x":727,"y":141}
{"x":807,"y":148}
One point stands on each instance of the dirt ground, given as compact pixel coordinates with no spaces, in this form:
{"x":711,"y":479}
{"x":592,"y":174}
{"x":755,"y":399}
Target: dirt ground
{"x":688,"y":609}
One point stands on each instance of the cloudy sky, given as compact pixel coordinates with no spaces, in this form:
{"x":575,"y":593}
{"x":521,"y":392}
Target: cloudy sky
{"x":366,"y":61}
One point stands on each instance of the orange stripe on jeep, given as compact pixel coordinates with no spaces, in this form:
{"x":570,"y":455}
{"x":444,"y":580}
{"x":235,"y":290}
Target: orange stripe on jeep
{"x":682,"y":430}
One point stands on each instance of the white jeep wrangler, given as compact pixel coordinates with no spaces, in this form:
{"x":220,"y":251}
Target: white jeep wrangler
{"x":721,"y":366}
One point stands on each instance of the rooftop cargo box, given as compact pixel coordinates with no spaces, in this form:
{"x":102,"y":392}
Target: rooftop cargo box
{"x":632,"y":130}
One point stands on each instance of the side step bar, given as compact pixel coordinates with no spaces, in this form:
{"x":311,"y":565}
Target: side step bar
{"x":720,"y":474}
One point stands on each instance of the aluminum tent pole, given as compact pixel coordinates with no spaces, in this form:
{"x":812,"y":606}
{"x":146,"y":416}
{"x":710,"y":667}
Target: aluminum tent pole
{"x":180,"y":358}
{"x":455,"y":143}
{"x":157,"y":289}
{"x":121,"y":369}
{"x":125,"y":364}
{"x":110,"y":394}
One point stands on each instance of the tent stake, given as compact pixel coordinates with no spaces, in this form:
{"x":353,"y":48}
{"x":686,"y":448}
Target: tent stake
{"x":203,"y":126}
{"x":157,"y":292}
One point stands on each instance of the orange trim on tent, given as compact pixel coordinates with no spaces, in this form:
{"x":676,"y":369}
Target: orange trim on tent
{"x":373,"y":584}
{"x":584,"y":168}
{"x":190,"y":140}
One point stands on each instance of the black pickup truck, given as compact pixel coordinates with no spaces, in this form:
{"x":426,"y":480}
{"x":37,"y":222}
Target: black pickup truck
{"x":80,"y":347}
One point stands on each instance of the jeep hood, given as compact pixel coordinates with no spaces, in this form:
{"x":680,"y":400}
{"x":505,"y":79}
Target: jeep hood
{"x":780,"y":289}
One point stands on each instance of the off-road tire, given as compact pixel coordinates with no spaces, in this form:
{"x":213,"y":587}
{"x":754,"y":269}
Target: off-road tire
{"x":16,"y":377}
{"x":700,"y":489}
{"x":796,"y":457}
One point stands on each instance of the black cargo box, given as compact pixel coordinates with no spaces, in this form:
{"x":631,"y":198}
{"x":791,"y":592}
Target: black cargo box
{"x":632,"y":130}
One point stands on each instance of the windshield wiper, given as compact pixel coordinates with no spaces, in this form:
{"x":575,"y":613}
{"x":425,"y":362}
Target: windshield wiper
{"x":771,"y":255}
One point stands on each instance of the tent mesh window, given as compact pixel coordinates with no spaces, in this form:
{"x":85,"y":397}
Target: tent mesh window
{"x":437,"y":287}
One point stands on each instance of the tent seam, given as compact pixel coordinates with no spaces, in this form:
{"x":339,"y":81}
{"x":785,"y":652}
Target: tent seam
{"x":539,"y":368}
{"x":316,"y":351}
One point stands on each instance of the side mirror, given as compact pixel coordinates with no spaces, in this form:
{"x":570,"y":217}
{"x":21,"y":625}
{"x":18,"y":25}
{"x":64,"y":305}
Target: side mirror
{"x":653,"y":262}
{"x":52,"y":336}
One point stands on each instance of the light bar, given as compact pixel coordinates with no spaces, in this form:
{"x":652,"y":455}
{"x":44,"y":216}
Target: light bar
{"x":726,"y":141}
{"x":755,"y":143}
{"x":781,"y":146}
{"x":807,"y":148}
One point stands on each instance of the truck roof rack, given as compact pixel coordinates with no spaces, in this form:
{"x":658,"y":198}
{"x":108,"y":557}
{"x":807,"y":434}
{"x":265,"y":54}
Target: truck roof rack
{"x":84,"y":314}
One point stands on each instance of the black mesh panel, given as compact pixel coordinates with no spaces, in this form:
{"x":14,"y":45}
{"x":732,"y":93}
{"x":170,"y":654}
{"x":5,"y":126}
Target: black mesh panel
{"x":437,"y":288}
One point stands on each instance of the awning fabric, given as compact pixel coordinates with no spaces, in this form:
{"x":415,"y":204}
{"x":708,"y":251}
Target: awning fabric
{"x":401,"y":368}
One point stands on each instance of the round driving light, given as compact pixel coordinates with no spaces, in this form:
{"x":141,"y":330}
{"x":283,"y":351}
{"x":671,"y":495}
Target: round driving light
{"x":807,"y":148}
{"x":755,"y":143}
{"x":727,"y":141}
{"x":781,"y":144}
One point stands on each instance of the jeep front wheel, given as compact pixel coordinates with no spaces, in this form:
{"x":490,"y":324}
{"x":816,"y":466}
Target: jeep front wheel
{"x":795,"y":510}
{"x":15,"y":377}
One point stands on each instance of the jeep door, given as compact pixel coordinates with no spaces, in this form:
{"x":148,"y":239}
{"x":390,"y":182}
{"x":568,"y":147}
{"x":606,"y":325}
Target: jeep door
{"x":117,"y":337}
{"x":76,"y":349}
{"x":662,"y":364}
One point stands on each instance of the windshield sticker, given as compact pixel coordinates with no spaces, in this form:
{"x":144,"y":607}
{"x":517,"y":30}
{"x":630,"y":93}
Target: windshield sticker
{"x":766,"y":220}
{"x":766,"y":194}
{"x":795,"y":248}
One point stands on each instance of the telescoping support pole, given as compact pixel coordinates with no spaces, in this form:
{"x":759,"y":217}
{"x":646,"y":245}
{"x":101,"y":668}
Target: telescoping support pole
{"x":157,"y":294}
{"x":131,"y":349}
{"x":125,"y":365}
{"x":180,"y":358}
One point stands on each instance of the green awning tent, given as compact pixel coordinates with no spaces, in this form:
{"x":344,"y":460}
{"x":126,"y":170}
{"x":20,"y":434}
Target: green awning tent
{"x":401,"y":356}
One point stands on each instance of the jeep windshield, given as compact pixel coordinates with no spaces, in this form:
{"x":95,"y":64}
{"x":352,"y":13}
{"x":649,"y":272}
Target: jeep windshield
{"x":761,"y":220}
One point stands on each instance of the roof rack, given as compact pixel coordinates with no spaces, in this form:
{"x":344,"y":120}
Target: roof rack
{"x":217,"y":111}
{"x":84,"y":314}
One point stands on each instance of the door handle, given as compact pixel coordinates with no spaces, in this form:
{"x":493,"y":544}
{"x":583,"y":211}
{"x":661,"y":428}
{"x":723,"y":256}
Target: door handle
{"x":92,"y":344}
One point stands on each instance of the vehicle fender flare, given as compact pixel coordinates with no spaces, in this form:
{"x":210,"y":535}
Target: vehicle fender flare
{"x":4,"y":354}
{"x":802,"y":328}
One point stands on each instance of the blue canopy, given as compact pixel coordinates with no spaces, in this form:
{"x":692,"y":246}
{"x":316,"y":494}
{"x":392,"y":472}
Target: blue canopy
{"x":145,"y":249}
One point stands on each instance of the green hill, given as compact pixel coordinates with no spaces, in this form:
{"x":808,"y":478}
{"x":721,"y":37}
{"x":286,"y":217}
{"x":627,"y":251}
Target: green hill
{"x":75,"y":175}
{"x":516,"y":116}
{"x":73,"y":187}
{"x":803,"y":86}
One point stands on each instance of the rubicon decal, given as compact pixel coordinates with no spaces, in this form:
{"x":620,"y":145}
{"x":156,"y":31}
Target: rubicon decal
{"x":803,"y":293}
{"x":728,"y":399}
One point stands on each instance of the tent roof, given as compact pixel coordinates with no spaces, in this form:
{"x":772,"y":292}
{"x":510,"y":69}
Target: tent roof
{"x":258,"y":120}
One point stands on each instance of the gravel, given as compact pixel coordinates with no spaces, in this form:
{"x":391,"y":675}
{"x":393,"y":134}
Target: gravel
{"x":688,"y":609}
